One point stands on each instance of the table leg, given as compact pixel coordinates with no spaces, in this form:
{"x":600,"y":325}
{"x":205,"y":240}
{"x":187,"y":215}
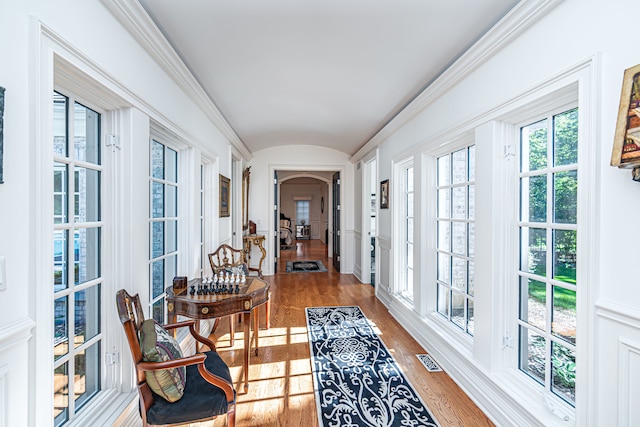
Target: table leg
{"x":267,"y":308}
{"x":247,"y":345}
{"x":256,"y":327}
{"x":232,"y":329}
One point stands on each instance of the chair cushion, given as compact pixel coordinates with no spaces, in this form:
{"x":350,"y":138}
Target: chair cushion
{"x":157,"y":345}
{"x":200,"y":400}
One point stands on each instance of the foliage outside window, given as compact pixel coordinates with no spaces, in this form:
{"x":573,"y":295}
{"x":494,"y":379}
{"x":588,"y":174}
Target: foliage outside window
{"x":163,"y":225}
{"x":548,"y":257}
{"x":455,"y":247}
{"x":77,"y":259}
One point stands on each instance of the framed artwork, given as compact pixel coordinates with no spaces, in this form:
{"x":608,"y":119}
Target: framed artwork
{"x":225,"y":195}
{"x":384,"y":194}
{"x":626,"y":142}
{"x":245,"y":198}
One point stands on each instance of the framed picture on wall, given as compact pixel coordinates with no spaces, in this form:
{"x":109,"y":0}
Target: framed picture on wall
{"x":384,"y":194}
{"x":626,"y":142}
{"x":225,"y":195}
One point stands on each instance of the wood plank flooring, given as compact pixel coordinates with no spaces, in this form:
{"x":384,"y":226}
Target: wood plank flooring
{"x":280,"y":383}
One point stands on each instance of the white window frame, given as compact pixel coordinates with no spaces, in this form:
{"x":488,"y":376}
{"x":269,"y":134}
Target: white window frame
{"x":176,"y":254}
{"x":70,"y":226}
{"x":404,"y":282}
{"x":551,"y":398}
{"x":468,"y":221}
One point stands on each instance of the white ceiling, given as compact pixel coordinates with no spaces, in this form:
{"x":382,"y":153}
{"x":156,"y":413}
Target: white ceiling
{"x":318,"y":72}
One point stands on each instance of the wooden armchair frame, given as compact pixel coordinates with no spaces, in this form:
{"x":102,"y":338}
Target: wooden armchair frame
{"x":226,"y":257}
{"x":132,"y":317}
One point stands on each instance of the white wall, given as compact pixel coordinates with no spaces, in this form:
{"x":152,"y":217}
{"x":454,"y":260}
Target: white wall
{"x":573,"y":33}
{"x":298,"y":158}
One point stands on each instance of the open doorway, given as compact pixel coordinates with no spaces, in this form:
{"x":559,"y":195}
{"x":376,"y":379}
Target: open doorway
{"x":370,"y":223}
{"x":302,"y":210}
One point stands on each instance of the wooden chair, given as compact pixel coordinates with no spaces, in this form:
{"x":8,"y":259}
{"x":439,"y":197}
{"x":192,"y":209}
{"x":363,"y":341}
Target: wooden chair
{"x":225,"y":258}
{"x":209,"y":390}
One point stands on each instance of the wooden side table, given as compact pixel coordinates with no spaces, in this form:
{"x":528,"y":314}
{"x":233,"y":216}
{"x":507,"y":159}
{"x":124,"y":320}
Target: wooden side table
{"x":252,"y":294}
{"x":256,"y":240}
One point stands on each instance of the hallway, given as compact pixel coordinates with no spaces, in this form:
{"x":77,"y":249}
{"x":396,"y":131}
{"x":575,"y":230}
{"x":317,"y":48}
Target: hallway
{"x":281,"y":387}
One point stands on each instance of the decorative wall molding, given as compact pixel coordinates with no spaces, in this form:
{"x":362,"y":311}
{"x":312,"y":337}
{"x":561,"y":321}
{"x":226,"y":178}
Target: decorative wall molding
{"x":384,"y":270}
{"x":16,"y":332}
{"x":4,"y":397}
{"x":628,"y":389}
{"x":522,"y":16}
{"x":357,"y":259}
{"x":135,"y":19}
{"x":624,"y":314}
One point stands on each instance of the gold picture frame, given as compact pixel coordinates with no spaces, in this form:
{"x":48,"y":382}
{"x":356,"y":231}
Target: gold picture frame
{"x":245,"y":198}
{"x":626,"y":142}
{"x":225,"y":196}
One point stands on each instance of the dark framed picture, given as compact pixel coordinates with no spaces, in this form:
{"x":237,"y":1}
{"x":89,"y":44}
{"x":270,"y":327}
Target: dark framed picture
{"x":225,"y":195}
{"x":626,"y":142}
{"x":384,"y":194}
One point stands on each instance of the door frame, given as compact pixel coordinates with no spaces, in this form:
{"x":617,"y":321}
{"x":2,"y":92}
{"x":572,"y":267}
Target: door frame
{"x":309,"y":173}
{"x":365,"y":262}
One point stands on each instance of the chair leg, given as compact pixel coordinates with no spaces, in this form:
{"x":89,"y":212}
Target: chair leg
{"x":231,"y":417}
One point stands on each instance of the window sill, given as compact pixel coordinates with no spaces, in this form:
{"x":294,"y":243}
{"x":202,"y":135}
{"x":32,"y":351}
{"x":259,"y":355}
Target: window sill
{"x":105,"y":410}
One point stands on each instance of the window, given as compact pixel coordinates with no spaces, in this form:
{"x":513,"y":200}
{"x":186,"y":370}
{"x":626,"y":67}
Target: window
{"x":547,"y":270}
{"x":163,"y":225}
{"x":406,"y":188}
{"x":302,"y":211}
{"x":456,"y":237}
{"x":77,"y":260}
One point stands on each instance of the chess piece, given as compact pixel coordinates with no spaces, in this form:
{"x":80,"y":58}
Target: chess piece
{"x":193,"y":290}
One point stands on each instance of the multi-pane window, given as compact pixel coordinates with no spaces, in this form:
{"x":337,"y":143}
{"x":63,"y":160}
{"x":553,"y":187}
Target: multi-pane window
{"x":548,"y":234}
{"x":302,"y":211}
{"x":456,"y":237}
{"x":163,"y":225}
{"x":406,"y":284}
{"x":77,"y":276}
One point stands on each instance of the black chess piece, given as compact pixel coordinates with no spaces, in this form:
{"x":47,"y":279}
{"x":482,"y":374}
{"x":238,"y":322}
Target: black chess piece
{"x":237,"y":288}
{"x":193,"y":290}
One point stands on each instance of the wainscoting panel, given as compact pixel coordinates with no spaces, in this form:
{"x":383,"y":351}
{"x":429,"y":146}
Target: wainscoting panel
{"x":357,"y":260}
{"x":629,"y":391}
{"x":315,"y":229}
{"x":385,"y":264}
{"x":617,"y":365}
{"x":4,"y":397}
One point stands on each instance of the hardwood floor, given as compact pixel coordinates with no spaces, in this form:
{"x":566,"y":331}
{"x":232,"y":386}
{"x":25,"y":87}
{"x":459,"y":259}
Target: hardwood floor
{"x":281,"y":387}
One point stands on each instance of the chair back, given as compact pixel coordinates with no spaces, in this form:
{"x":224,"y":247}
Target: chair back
{"x":226,"y":257}
{"x":132,"y":317}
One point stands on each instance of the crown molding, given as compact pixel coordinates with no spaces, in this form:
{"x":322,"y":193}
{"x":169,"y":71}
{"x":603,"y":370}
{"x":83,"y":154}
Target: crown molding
{"x":135,"y":19}
{"x":521,"y":17}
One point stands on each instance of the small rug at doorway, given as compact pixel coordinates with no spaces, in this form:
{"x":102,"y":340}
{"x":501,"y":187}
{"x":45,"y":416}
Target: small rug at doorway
{"x":288,"y":247}
{"x":429,"y":363}
{"x":356,"y":381}
{"x":306,"y":267}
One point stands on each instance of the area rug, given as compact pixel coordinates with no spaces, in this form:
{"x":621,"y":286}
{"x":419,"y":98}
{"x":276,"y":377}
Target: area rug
{"x":306,"y":267}
{"x":356,"y":381}
{"x":288,"y":247}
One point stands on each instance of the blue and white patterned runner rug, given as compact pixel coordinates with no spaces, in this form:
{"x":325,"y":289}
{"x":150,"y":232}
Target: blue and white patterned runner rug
{"x":357,"y":382}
